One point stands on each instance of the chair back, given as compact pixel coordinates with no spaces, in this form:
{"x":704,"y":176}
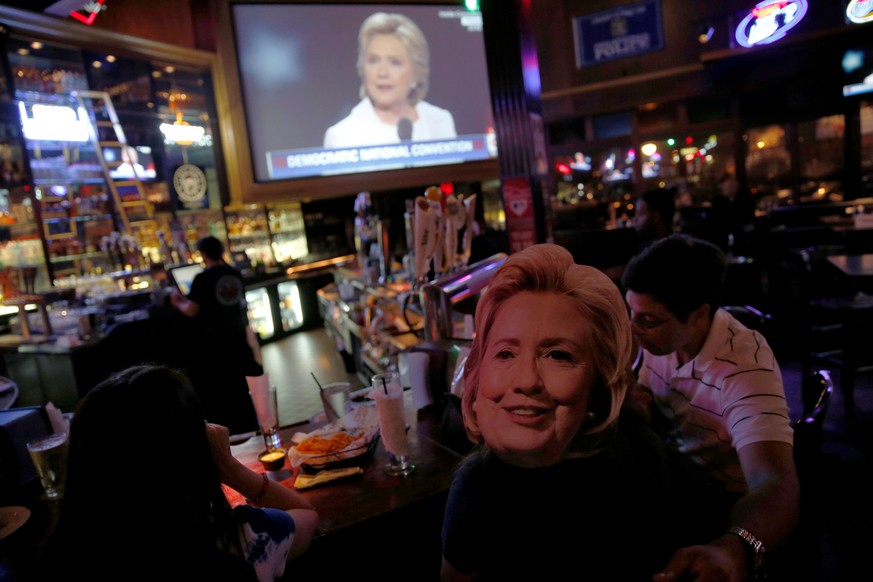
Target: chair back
{"x":749,"y":316}
{"x":800,"y":558}
{"x":817,"y":391}
{"x":8,"y":393}
{"x":816,"y":397}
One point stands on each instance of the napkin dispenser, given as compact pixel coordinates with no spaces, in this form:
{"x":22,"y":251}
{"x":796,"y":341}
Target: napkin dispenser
{"x":18,"y":426}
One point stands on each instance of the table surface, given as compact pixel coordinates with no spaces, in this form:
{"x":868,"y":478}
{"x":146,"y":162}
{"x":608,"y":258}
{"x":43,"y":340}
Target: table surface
{"x":344,"y":503}
{"x":854,"y":265}
{"x":405,"y":512}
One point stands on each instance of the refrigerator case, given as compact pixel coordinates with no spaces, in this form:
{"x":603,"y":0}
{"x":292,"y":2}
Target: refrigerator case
{"x":290,"y":307}
{"x":260,"y":312}
{"x":276,"y":309}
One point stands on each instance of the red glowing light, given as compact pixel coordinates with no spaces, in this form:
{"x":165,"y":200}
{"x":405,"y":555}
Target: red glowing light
{"x":689,"y":140}
{"x":760,"y":12}
{"x":93,"y":9}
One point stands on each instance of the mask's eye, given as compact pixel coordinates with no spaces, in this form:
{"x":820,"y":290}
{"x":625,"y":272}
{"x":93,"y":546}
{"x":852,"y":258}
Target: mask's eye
{"x":559,"y":355}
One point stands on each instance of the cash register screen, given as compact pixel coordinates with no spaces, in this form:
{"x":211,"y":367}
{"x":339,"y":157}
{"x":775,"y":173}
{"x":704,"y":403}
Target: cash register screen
{"x":183,"y":276}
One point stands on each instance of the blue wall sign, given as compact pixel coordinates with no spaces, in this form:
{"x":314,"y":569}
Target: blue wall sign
{"x":618,"y":33}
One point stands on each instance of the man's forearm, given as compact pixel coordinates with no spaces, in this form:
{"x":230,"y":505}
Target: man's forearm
{"x":769,"y":510}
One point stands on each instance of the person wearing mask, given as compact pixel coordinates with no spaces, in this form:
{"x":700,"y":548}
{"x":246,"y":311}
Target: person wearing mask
{"x":221,"y":356}
{"x":714,"y":390}
{"x":144,"y":497}
{"x":566,"y":483}
{"x":394,"y":66}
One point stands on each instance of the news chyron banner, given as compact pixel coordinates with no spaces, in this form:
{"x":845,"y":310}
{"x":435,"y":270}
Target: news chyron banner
{"x":298,"y":163}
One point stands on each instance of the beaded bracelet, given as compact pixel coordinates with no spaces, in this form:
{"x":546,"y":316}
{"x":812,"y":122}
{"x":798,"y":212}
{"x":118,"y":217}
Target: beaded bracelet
{"x":255,"y":500}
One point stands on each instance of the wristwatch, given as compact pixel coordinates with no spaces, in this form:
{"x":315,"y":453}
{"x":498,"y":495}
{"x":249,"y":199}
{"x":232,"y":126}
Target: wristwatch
{"x":757,"y":548}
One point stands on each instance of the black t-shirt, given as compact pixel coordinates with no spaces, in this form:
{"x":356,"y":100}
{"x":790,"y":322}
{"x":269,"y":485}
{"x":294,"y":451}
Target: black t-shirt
{"x":594,"y":518}
{"x":220,"y":293}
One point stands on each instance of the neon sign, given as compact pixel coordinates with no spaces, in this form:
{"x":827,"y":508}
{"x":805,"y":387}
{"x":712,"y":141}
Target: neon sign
{"x":182,"y":134}
{"x":859,"y":11}
{"x":770,"y":21}
{"x":54,"y":123}
{"x":92,"y":9}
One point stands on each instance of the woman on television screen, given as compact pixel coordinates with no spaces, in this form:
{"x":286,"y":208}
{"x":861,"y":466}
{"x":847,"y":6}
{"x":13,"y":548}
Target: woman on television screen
{"x":394,"y":66}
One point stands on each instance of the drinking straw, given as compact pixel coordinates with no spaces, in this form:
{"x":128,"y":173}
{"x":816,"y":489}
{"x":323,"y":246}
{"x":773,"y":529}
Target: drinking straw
{"x":384,"y":386}
{"x":316,"y":381}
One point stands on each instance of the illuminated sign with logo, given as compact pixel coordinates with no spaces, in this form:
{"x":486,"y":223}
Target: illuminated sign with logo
{"x":54,"y":123}
{"x":859,"y":11}
{"x":182,"y":134}
{"x":769,"y":21}
{"x":88,"y":12}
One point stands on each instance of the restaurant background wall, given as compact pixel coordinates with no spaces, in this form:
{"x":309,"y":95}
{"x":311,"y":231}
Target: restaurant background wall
{"x":169,"y":21}
{"x":688,"y":89}
{"x":704,"y":94}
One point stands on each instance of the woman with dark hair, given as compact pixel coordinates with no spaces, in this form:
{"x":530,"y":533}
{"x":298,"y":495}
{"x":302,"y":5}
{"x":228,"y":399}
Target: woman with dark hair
{"x":566,"y":482}
{"x":144,"y":497}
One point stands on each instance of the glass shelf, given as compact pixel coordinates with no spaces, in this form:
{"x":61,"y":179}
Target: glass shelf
{"x":77,"y":257}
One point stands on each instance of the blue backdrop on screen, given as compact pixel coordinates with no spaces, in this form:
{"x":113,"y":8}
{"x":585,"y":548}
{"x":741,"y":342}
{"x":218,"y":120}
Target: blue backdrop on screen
{"x":618,"y":33}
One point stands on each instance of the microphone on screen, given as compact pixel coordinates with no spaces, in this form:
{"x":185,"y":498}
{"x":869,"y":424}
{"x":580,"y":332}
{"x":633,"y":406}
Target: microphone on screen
{"x":404,"y":129}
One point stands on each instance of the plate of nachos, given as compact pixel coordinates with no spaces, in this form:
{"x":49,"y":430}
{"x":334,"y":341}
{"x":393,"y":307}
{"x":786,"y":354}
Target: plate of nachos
{"x":335,"y":445}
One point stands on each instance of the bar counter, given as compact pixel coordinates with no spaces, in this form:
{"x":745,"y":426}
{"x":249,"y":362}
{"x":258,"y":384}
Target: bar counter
{"x":374,"y":524}
{"x":349,"y":502}
{"x":370,"y":524}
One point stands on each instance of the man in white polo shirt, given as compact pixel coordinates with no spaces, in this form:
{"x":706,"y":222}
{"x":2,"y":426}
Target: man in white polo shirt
{"x":714,"y":390}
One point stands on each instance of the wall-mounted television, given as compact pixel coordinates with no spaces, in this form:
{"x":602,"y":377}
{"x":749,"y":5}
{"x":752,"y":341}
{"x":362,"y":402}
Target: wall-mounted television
{"x":130,"y":162}
{"x":326,"y":99}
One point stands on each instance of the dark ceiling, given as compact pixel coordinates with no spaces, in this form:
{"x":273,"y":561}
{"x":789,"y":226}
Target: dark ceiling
{"x":32,"y":5}
{"x":63,"y":6}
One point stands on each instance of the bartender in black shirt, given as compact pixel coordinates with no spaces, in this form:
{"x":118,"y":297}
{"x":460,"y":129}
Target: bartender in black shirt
{"x":222,"y":356}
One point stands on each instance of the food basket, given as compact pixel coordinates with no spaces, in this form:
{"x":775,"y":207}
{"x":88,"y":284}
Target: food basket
{"x":360,"y":424}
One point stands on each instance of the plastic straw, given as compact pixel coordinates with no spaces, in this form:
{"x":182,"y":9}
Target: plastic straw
{"x":384,"y":386}
{"x":316,"y":381}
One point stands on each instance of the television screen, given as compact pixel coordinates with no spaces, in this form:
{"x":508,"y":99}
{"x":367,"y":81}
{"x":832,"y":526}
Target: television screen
{"x":857,"y":65}
{"x":128,"y":162}
{"x":412,"y":93}
{"x":183,"y":275}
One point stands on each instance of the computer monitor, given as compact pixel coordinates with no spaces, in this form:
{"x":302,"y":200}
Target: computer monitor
{"x":183,"y":275}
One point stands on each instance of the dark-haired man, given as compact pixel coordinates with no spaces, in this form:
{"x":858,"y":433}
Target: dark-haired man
{"x":716,"y":390}
{"x":221,"y":357}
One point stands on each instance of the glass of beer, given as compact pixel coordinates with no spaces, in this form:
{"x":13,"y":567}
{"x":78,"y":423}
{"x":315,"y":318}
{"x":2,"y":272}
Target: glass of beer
{"x":49,"y":456}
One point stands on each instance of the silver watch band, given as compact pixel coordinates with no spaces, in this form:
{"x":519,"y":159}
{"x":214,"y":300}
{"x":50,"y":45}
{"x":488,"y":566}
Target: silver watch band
{"x":757,"y":547}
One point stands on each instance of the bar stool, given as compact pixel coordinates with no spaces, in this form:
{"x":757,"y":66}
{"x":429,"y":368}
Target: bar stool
{"x":838,"y":319}
{"x":800,"y":558}
{"x":839,"y":329}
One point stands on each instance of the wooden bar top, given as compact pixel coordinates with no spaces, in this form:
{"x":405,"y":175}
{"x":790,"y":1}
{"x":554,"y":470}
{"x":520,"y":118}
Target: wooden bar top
{"x":854,"y":265}
{"x":345,"y":503}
